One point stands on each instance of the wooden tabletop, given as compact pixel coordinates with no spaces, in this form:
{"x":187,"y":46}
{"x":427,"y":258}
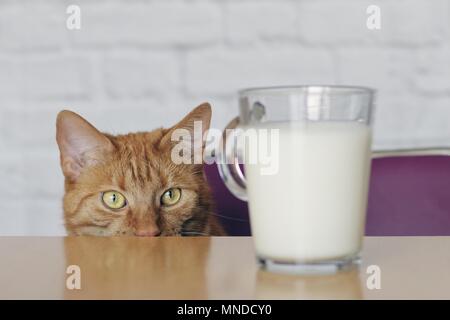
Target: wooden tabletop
{"x":211,"y":268}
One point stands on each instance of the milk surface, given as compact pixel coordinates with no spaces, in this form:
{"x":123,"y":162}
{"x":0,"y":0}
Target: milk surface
{"x":314,"y":207}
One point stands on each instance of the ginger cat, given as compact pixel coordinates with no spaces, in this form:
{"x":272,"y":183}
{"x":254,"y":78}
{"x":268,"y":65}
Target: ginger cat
{"x":129,"y":185}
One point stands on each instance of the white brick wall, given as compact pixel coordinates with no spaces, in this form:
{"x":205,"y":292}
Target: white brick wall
{"x":150,"y":23}
{"x":138,"y":64}
{"x":225,"y":70}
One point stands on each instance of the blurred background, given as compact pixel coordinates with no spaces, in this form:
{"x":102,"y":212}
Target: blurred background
{"x":136,"y":65}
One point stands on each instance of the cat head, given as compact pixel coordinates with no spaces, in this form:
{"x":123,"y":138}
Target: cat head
{"x":129,"y":184}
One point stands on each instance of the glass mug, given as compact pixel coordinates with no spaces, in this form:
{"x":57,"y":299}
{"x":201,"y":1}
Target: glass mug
{"x":306,"y":153}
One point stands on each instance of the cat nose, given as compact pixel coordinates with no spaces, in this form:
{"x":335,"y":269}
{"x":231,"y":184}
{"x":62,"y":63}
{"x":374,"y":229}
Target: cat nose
{"x":152,"y":232}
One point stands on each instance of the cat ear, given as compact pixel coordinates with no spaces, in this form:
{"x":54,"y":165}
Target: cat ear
{"x":80,"y":144}
{"x":195,"y":125}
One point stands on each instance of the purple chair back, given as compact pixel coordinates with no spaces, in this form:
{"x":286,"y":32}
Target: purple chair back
{"x":408,"y":196}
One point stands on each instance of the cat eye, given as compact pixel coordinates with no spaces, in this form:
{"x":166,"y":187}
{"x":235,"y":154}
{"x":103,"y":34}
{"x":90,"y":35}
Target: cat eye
{"x":114,"y":200}
{"x":171,"y":197}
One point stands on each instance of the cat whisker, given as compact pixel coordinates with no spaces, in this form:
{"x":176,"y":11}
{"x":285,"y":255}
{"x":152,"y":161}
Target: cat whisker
{"x":229,"y":218}
{"x":193,"y":233}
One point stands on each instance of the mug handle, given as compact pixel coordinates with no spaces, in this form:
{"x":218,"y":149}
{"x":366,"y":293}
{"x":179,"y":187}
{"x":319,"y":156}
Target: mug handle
{"x":228,"y":163}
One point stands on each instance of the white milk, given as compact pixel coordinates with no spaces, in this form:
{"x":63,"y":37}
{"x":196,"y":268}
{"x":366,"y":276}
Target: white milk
{"x":314,"y":207}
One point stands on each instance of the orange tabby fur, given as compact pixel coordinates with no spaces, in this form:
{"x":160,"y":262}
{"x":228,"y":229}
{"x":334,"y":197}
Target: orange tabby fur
{"x":139,"y":166}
